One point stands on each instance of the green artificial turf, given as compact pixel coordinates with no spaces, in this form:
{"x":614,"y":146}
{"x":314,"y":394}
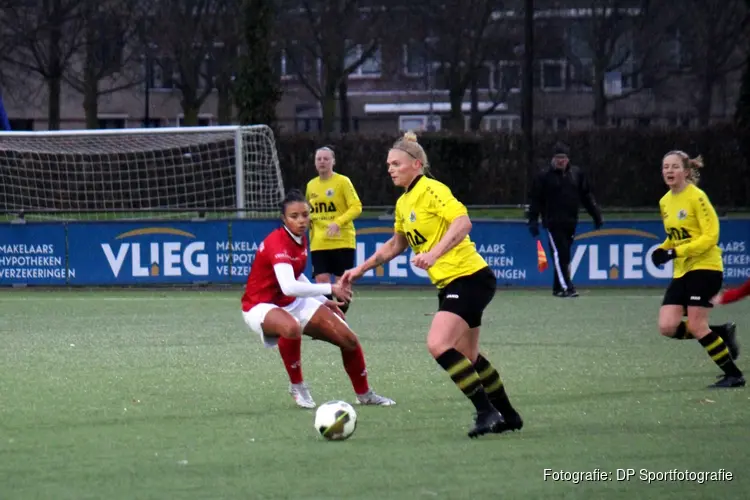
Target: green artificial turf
{"x":167,"y":395}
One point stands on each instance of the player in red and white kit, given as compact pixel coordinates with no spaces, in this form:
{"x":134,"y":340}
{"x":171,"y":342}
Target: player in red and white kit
{"x":280,"y":303}
{"x":732,"y":294}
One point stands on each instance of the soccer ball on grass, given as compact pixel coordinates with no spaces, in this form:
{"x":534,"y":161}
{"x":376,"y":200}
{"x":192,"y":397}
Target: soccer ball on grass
{"x":335,"y":420}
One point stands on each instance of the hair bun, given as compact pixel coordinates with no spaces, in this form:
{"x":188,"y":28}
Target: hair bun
{"x":410,"y":136}
{"x":697,"y":162}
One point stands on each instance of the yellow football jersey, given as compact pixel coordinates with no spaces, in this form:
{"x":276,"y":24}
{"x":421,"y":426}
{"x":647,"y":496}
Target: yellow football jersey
{"x":692,"y":228}
{"x":423,"y":215}
{"x":332,"y":200}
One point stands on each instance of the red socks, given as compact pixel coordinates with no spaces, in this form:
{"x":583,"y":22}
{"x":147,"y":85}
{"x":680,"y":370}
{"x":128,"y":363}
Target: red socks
{"x":354,"y":364}
{"x":291,"y":354}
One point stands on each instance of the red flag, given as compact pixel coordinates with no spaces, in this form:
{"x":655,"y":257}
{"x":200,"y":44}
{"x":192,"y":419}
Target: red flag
{"x":541,"y":257}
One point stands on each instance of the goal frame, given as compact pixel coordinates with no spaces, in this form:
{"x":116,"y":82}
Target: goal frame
{"x":238,"y":130}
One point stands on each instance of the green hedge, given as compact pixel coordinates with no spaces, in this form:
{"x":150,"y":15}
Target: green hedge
{"x":624,"y":165}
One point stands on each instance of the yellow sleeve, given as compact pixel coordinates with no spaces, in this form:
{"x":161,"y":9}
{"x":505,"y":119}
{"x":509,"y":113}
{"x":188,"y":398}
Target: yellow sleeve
{"x":309,"y":202}
{"x":443,"y":204}
{"x":709,"y":224}
{"x":353,"y":203}
{"x":398,"y":223}
{"x":667,"y":244}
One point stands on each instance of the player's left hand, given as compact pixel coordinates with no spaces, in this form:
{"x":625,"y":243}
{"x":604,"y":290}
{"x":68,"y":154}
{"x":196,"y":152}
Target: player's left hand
{"x":661,"y":256}
{"x":424,"y":260}
{"x":716,"y":300}
{"x":335,"y":306}
{"x":333,"y":229}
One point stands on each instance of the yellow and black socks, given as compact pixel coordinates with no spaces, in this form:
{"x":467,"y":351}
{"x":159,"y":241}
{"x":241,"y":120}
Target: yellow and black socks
{"x":463,"y":374}
{"x":683,"y":332}
{"x":494,"y":386}
{"x":719,"y":352}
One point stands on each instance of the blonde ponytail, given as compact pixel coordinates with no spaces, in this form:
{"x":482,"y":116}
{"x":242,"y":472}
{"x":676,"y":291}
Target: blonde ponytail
{"x":691,"y":165}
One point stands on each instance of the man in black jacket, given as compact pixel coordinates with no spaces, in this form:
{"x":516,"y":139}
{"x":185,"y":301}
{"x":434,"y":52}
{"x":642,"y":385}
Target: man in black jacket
{"x":556,"y":195}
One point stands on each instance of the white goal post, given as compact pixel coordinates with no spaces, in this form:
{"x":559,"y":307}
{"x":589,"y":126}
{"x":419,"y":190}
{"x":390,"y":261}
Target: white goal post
{"x":145,"y":172}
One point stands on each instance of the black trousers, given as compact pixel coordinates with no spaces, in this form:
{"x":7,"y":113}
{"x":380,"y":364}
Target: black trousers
{"x":560,"y":242}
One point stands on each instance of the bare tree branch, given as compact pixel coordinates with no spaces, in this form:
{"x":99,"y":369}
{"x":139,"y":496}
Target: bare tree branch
{"x":617,"y":37}
{"x":332,"y":40}
{"x":458,"y":38}
{"x":185,"y":35}
{"x":46,"y":35}
{"x":713,"y":40}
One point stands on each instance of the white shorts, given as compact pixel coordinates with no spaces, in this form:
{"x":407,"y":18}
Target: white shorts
{"x":302,"y":309}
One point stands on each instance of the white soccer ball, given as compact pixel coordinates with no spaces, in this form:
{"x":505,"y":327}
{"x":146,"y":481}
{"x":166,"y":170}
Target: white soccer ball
{"x":335,"y":420}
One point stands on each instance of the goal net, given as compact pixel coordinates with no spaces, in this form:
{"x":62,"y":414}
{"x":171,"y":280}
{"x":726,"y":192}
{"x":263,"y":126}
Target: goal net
{"x":136,"y":173}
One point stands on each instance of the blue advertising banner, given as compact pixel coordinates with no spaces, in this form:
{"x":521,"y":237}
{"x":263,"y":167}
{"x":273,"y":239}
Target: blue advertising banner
{"x":507,"y":247}
{"x":33,"y":254}
{"x":617,"y":255}
{"x":620,"y":253}
{"x":247,"y":235}
{"x":115,"y":253}
{"x":222,"y":252}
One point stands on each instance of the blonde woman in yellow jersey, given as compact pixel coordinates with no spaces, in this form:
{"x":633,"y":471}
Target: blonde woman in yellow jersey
{"x":431,"y":221}
{"x":692,"y":228}
{"x":335,"y":205}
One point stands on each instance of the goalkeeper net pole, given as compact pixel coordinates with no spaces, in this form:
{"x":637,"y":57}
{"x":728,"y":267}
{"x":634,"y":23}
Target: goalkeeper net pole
{"x":136,"y":173}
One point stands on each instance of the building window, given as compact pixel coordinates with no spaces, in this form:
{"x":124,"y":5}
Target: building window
{"x":552,"y":75}
{"x":419,"y":123}
{"x":151,"y":123}
{"x":680,"y":49}
{"x":370,"y":67}
{"x":203,"y":120}
{"x":415,"y":59}
{"x":109,"y":34}
{"x":308,"y":124}
{"x":552,"y":124}
{"x":112,"y":123}
{"x":499,"y":123}
{"x":21,"y":124}
{"x":207,"y":72}
{"x":508,"y":76}
{"x":625,"y":51}
{"x":484,"y":77}
{"x":440,"y":74}
{"x":162,"y":74}
{"x":291,"y":61}
{"x":582,"y":74}
{"x":631,"y":79}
